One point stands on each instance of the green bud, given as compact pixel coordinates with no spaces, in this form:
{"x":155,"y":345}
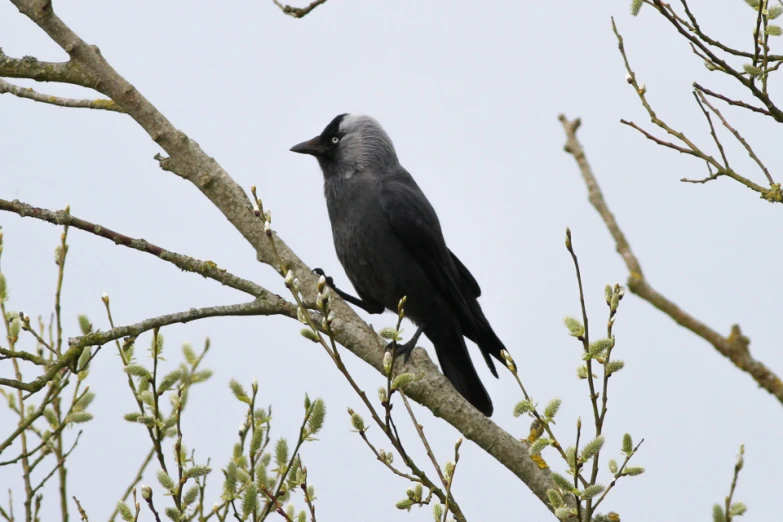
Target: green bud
{"x":717,"y":514}
{"x":146,"y":492}
{"x":124,"y":511}
{"x":437,"y":512}
{"x":402,"y":380}
{"x":598,"y":349}
{"x":575,"y":327}
{"x":165,"y":480}
{"x":387,"y":363}
{"x":523,"y":407}
{"x":404,"y":504}
{"x":555,"y":498}
{"x":358,"y":422}
{"x":592,"y":448}
{"x":84,"y":359}
{"x":633,"y":471}
{"x":591,"y":491}
{"x":309,"y":334}
{"x":565,"y":513}
{"x":14,"y":326}
{"x":84,"y":325}
{"x":563,"y":483}
{"x":3,"y":289}
{"x":613,"y":466}
{"x":281,"y":452}
{"x":752,"y":70}
{"x":538,"y":446}
{"x":551,"y":409}
{"x":627,"y":444}
{"x":614,"y":366}
{"x":571,"y":457}
{"x":401,"y":304}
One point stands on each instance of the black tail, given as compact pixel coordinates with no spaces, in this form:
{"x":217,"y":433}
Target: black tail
{"x":480,"y":332}
{"x":457,"y":366}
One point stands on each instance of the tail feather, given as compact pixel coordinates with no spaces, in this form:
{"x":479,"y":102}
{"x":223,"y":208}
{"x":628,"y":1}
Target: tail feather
{"x":480,"y":332}
{"x":457,"y":367}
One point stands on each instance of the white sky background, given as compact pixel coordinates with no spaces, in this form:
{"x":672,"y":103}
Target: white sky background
{"x":470,"y":95}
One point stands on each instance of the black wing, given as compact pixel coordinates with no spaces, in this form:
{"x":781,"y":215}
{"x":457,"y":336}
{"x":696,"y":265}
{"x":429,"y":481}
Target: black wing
{"x":416,"y":225}
{"x":468,"y":280}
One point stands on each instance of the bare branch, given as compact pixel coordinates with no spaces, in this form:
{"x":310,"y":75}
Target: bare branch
{"x":734,"y":347}
{"x":31,"y":68}
{"x":763,"y":97}
{"x":30,"y":94}
{"x":737,"y":103}
{"x":298,"y":12}
{"x":772,"y":194}
{"x":205,"y":268}
{"x":736,"y":135}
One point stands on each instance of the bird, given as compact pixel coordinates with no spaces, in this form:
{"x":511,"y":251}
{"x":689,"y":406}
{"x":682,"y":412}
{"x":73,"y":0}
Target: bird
{"x":389,"y":241}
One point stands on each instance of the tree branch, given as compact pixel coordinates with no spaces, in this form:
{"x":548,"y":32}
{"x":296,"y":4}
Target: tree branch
{"x":261,"y":306}
{"x":298,"y":12}
{"x":31,"y":68}
{"x":207,"y":269}
{"x":734,"y":347}
{"x":189,"y":161}
{"x":772,"y":194}
{"x":30,"y":94}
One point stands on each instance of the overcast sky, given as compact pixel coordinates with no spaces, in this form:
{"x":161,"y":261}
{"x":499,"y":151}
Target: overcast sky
{"x":470,"y":94}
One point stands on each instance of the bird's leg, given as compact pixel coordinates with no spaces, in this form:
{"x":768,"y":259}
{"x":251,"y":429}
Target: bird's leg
{"x":371,"y":308}
{"x":406,"y":349}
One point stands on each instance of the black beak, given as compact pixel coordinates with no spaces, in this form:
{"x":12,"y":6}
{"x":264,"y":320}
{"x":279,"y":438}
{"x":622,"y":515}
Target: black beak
{"x":314,"y":147}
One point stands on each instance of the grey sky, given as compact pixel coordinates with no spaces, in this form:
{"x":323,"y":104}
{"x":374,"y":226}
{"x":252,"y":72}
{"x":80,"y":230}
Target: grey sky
{"x":470,"y":95}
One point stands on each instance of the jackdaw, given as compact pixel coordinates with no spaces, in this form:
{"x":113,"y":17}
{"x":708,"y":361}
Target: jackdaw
{"x":389,"y":241}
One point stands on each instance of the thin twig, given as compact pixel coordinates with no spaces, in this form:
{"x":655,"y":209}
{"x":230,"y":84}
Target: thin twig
{"x":420,"y":431}
{"x":617,"y":475}
{"x":737,"y":103}
{"x":30,"y":94}
{"x":737,"y":467}
{"x":770,"y":194}
{"x":257,"y":307}
{"x":736,"y":135}
{"x":189,"y":264}
{"x":136,"y":480}
{"x":712,"y":131}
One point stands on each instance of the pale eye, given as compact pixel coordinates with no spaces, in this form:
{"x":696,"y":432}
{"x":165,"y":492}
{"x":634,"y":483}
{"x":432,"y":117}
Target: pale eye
{"x":335,"y":139}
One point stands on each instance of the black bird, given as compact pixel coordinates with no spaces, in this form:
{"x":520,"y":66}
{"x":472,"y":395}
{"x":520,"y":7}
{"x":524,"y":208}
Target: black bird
{"x":389,"y":241}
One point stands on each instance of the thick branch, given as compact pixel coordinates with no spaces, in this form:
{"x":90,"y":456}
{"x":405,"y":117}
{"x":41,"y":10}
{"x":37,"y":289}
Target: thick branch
{"x":190,"y":162}
{"x":734,"y":347}
{"x":33,"y":69}
{"x":30,"y":94}
{"x":189,"y":264}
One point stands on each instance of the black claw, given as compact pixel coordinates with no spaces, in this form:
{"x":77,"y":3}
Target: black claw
{"x":405,"y":350}
{"x":329,"y":280}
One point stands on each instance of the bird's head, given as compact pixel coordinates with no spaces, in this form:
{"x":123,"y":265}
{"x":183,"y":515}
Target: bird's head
{"x":350,"y":143}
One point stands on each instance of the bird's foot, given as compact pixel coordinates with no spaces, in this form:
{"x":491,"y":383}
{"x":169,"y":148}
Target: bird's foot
{"x":406,"y":349}
{"x":329,"y":280}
